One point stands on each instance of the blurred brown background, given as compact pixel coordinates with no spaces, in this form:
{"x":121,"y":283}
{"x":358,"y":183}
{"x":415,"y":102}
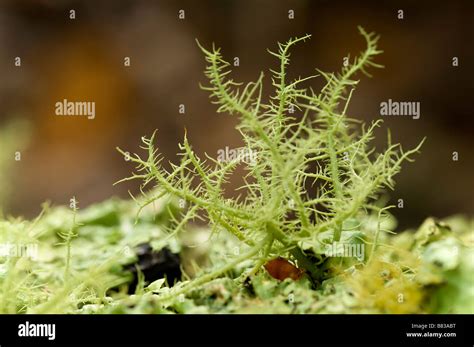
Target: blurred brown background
{"x":82,"y":59}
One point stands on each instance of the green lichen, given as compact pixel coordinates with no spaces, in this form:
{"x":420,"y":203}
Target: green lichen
{"x":314,"y":169}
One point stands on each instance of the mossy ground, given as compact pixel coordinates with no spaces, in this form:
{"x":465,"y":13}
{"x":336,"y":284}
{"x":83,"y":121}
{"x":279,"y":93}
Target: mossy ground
{"x":422,"y":271}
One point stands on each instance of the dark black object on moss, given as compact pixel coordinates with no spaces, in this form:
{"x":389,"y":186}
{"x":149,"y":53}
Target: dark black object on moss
{"x":154,"y":265}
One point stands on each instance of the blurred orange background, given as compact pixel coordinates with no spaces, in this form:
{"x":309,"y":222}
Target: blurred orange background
{"x":83,"y":59}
